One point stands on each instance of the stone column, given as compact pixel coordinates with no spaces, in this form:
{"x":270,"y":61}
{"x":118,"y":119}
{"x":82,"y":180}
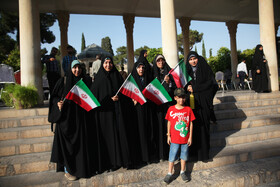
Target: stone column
{"x":232,"y":28}
{"x":267,"y":38}
{"x":30,"y":63}
{"x":185,"y":25}
{"x":128,"y":20}
{"x":63,"y":20}
{"x":169,"y":34}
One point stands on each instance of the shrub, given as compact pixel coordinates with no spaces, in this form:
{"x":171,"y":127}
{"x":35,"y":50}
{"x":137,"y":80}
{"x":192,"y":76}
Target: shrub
{"x":20,"y":96}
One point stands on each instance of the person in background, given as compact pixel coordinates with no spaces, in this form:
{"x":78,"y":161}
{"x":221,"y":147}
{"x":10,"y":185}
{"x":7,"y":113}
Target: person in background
{"x":259,"y":71}
{"x":179,"y":133}
{"x":96,"y":65}
{"x":242,"y":72}
{"x":67,"y":60}
{"x":53,"y":73}
{"x":123,"y":73}
{"x":202,"y":86}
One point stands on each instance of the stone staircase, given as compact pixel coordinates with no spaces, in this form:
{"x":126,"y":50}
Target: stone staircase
{"x":245,"y":147}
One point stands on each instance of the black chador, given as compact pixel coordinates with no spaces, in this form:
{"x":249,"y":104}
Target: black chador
{"x":203,"y":84}
{"x":109,"y":119}
{"x":73,"y":144}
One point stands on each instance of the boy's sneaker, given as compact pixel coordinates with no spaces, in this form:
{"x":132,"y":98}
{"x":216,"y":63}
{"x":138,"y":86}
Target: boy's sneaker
{"x":167,"y":179}
{"x":185,"y":177}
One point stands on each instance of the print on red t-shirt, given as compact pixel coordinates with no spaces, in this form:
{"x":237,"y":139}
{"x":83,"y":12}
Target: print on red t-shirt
{"x":179,"y":123}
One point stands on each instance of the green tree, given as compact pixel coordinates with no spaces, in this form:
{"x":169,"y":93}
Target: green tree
{"x":195,"y":49}
{"x":210,"y":52}
{"x":106,"y":45}
{"x":222,"y":61}
{"x":194,"y":37}
{"x":203,"y":50}
{"x":247,"y":54}
{"x":83,"y":45}
{"x":152,"y":52}
{"x":9,"y":24}
{"x":121,"y":56}
{"x":13,"y":59}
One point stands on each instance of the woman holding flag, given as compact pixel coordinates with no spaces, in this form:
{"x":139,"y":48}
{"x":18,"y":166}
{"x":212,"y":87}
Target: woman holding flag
{"x":201,"y":86}
{"x":71,"y":151}
{"x":161,"y":71}
{"x":113,"y":149}
{"x":146,"y":121}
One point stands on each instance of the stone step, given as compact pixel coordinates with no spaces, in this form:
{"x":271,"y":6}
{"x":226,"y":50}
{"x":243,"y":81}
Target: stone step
{"x":39,"y":162}
{"x":24,"y":146}
{"x":246,"y":104}
{"x":25,"y":132}
{"x":27,"y":163}
{"x":247,"y":112}
{"x":244,"y":96}
{"x":263,"y":172}
{"x":23,"y":121}
{"x":248,"y":135}
{"x":11,"y":113}
{"x":245,"y":122}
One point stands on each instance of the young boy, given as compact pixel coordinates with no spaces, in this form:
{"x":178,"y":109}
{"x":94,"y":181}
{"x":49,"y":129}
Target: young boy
{"x":179,"y":133}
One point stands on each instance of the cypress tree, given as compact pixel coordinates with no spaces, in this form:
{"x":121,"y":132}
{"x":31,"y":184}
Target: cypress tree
{"x":83,"y":45}
{"x":203,"y":50}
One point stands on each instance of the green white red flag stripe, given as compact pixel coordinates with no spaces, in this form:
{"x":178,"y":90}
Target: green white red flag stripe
{"x":180,"y":75}
{"x":131,"y":89}
{"x":156,"y":93}
{"x":82,"y":96}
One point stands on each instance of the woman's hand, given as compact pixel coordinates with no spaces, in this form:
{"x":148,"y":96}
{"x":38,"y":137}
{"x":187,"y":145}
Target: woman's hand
{"x":134,"y":101}
{"x":190,"y":88}
{"x":258,"y":71}
{"x":167,"y":79}
{"x":60,"y":104}
{"x":115,"y":98}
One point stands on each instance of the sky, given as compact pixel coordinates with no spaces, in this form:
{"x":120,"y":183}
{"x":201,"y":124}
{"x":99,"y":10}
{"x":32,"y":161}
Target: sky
{"x":147,"y":31}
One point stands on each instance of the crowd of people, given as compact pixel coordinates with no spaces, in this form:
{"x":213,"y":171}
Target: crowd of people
{"x":124,"y":133}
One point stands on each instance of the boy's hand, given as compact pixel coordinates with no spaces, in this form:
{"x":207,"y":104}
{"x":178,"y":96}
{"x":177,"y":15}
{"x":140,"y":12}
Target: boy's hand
{"x":168,"y":139}
{"x":189,"y":142}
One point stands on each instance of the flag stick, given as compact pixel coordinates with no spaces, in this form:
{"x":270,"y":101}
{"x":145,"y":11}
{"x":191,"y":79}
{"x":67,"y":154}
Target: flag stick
{"x":122,"y":84}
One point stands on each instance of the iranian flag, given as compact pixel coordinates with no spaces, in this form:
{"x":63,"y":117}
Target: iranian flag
{"x":131,"y":89}
{"x":156,"y":92}
{"x":180,"y":74}
{"x":82,"y":95}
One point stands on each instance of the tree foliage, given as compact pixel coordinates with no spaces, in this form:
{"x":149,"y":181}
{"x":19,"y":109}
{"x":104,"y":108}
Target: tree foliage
{"x":106,"y":45}
{"x":203,"y":50}
{"x":121,"y":56}
{"x":222,"y":61}
{"x":137,"y":51}
{"x":83,"y":45}
{"x":152,"y":53}
{"x":194,"y":37}
{"x":13,"y":59}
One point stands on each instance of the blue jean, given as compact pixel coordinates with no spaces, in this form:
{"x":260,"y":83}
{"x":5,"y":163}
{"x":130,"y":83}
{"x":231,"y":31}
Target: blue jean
{"x":174,"y":152}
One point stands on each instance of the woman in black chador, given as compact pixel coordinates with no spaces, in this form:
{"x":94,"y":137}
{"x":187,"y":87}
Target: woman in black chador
{"x":202,"y":86}
{"x":71,"y":149}
{"x":113,"y":150}
{"x":146,"y":118}
{"x":259,"y":70}
{"x":160,"y":71}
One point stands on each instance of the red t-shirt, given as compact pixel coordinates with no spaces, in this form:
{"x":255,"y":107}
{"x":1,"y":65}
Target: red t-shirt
{"x":179,"y":123}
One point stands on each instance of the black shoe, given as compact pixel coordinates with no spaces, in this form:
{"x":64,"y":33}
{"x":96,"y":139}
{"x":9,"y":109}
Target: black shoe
{"x":185,"y":177}
{"x":167,"y":179}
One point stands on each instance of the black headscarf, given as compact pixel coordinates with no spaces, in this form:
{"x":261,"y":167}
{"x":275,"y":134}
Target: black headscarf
{"x":157,"y":71}
{"x":204,"y":74}
{"x":148,"y":68}
{"x":107,"y":83}
{"x":147,"y":79}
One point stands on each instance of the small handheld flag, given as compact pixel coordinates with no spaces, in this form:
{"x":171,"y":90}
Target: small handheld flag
{"x":82,"y":96}
{"x":156,"y":92}
{"x":180,"y":74}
